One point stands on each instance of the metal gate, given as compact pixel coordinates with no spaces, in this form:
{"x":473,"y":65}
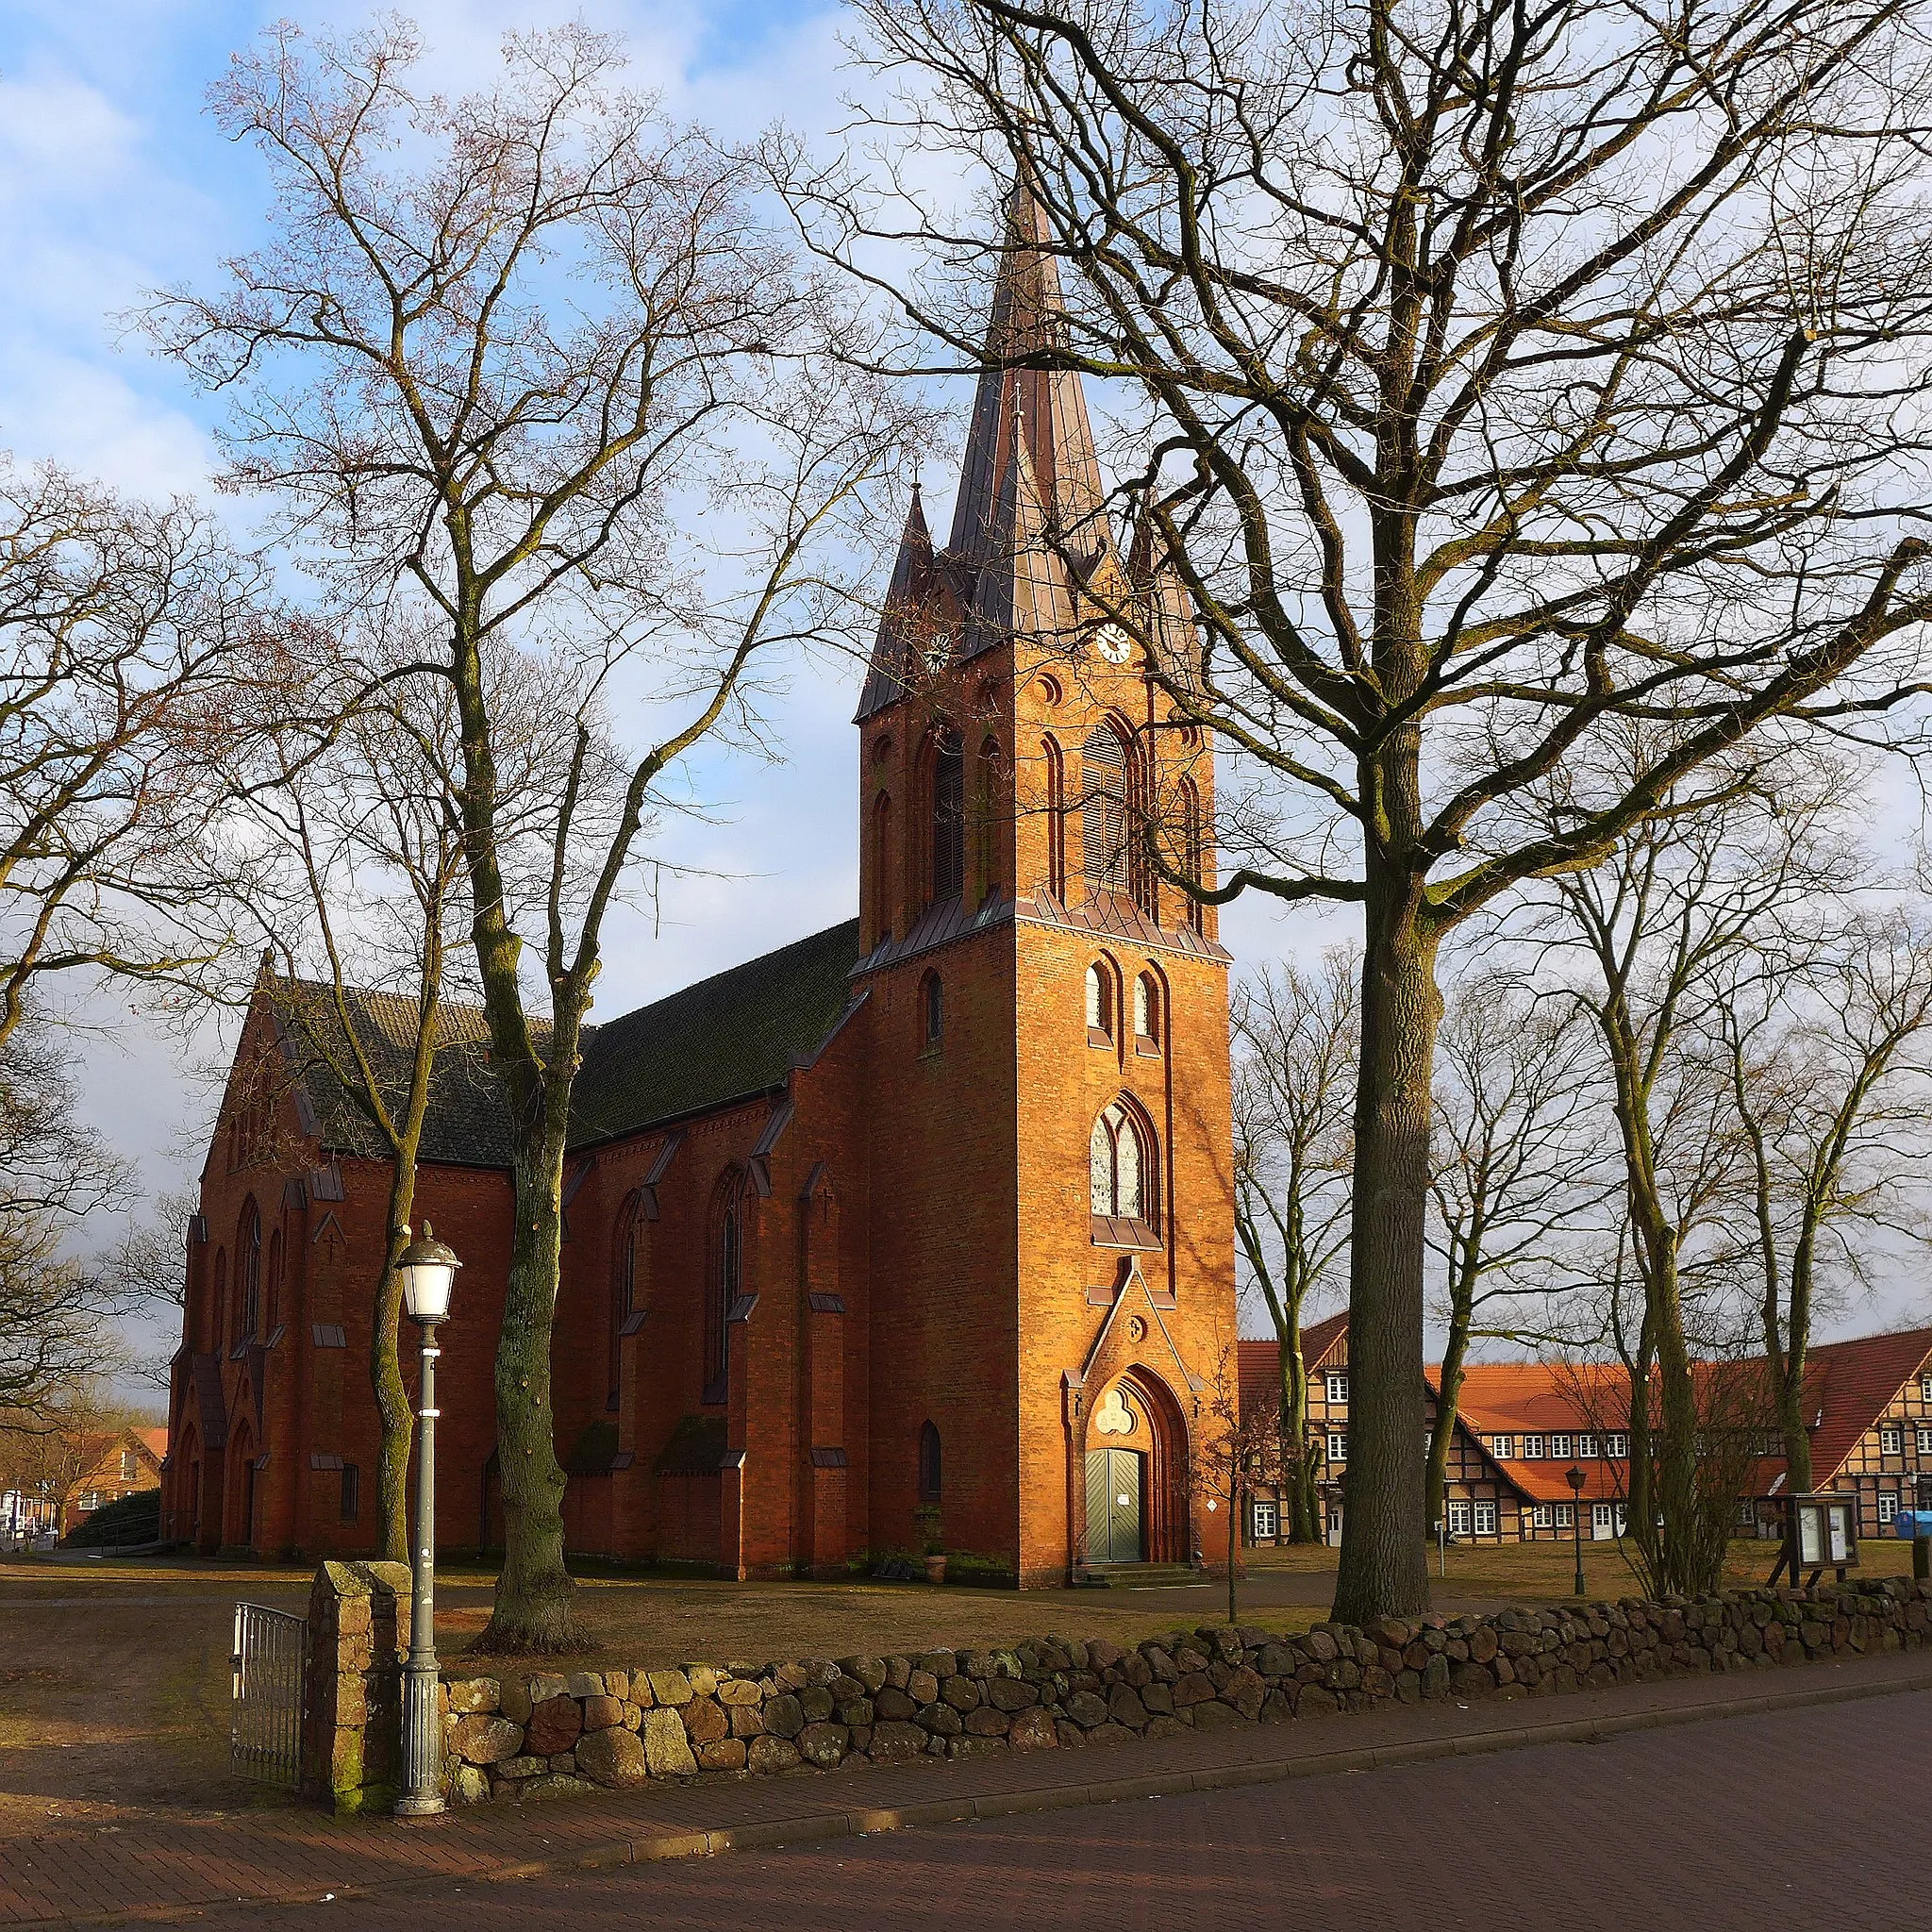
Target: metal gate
{"x":265,"y":1728}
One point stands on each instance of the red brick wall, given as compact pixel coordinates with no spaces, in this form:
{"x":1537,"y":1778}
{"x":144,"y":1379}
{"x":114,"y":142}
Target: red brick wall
{"x":935,"y":1201}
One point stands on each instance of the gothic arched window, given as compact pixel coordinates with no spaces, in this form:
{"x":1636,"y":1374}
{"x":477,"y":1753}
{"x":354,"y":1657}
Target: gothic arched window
{"x":932,"y":1008}
{"x":948,"y":816}
{"x":881,"y":868}
{"x":1147,"y":1009}
{"x":248,"y":1271}
{"x":1056,"y":817}
{"x":727,"y":1282}
{"x":1104,"y":810}
{"x":1119,"y":1167}
{"x":1193,"y":846}
{"x":992,"y":804}
{"x":931,"y":1471}
{"x":627,"y":1284}
{"x":1099,"y":1004}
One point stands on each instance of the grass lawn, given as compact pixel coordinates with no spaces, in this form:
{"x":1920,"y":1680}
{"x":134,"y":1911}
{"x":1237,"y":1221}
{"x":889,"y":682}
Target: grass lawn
{"x":114,"y":1676}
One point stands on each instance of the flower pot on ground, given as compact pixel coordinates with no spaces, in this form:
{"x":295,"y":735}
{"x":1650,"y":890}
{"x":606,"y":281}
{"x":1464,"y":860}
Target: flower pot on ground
{"x":936,"y":1569}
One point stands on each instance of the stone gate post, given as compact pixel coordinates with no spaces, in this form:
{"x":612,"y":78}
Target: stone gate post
{"x":359,"y":1622}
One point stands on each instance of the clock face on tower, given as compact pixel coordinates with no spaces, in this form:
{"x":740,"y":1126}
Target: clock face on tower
{"x":1113,"y":644}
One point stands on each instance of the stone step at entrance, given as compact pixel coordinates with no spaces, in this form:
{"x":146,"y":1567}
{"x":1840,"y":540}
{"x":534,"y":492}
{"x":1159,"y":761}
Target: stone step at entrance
{"x":1141,"y":1575}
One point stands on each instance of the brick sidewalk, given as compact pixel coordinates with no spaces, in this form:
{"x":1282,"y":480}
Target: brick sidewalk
{"x":197,"y":1865}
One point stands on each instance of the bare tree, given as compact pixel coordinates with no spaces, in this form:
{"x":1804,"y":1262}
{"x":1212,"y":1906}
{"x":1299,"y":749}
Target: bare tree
{"x":124,"y":629}
{"x":55,"y":1307}
{"x":1828,"y":1075}
{"x":1489,"y":376}
{"x":1295,"y":1039}
{"x":46,"y":1449}
{"x":358,"y":891}
{"x":1237,"y":1450}
{"x":1517,"y":1176}
{"x":526,"y":361}
{"x":1662,"y":928}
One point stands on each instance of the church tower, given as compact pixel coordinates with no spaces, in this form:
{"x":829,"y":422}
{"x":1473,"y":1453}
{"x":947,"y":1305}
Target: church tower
{"x":1051,"y":1242}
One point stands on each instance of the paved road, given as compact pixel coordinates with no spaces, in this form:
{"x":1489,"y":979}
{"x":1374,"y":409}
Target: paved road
{"x":1755,"y":1822}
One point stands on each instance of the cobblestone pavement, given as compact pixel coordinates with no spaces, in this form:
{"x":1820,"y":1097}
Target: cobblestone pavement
{"x":1753,"y":1822}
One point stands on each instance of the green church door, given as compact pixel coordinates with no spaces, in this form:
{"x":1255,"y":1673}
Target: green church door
{"x":1113,"y":1505}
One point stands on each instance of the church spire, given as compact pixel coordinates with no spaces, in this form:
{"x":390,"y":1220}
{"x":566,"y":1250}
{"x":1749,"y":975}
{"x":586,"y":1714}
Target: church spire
{"x":1172,"y":635}
{"x":887,"y":676}
{"x":1042,"y":410}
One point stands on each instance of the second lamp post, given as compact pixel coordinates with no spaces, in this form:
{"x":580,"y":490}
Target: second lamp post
{"x":1575,"y":1477}
{"x":429,"y":1271}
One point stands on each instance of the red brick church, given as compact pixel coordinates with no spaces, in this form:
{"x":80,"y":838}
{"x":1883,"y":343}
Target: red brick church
{"x":915,"y":1233}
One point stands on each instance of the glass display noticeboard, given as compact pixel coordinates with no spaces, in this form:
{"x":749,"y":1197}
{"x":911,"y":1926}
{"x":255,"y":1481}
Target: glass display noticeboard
{"x":1840,"y":1532}
{"x":1810,"y":1533}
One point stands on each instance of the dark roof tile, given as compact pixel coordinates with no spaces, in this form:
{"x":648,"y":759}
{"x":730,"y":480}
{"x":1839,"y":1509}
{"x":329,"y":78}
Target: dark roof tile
{"x":727,"y":1038}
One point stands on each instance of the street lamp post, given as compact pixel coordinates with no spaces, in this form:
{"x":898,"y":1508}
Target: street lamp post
{"x":1573,"y":1476}
{"x":429,"y":1269}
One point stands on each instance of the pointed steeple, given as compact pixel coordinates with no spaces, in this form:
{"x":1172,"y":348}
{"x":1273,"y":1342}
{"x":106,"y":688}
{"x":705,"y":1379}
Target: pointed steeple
{"x":1041,"y":410}
{"x":1021,"y":588}
{"x":1172,"y":631}
{"x":887,"y":676}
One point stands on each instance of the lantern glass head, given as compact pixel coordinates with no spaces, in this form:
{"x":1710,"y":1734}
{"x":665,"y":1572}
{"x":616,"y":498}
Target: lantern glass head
{"x":429,"y":1271}
{"x":1573,"y":1476}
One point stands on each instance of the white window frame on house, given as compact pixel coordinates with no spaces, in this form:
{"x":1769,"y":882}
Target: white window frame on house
{"x":1539,"y":1516}
{"x":1566,"y":1515}
{"x":1926,"y":1388}
{"x":1532,"y":1448}
{"x":1925,"y":1439}
{"x":1617,"y":1445}
{"x":1338,"y":1385}
{"x":1338,"y":1445}
{"x":1267,"y":1519}
{"x":1887,"y":1508}
{"x":1585,"y":1448}
{"x":1485,"y":1518}
{"x":1891,"y":1439}
{"x":1503,"y":1448}
{"x":1459,"y":1519}
{"x":130,"y":1465}
{"x":1560,"y":1448}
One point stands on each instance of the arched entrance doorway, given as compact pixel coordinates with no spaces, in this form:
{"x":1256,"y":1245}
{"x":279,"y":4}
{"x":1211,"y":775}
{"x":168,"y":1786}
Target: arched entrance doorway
{"x":1136,"y":1473}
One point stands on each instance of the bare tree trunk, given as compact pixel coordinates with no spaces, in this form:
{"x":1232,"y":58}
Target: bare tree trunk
{"x":1384,"y":1571}
{"x":1234,"y":1547}
{"x":1297,"y":1461}
{"x":1790,"y":1363}
{"x":392,"y":1409}
{"x":535,"y":1595}
{"x":1447,"y":1395}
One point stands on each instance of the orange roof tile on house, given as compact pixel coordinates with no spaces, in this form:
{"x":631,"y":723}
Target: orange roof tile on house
{"x":1258,"y":1363}
{"x":1848,"y":1386}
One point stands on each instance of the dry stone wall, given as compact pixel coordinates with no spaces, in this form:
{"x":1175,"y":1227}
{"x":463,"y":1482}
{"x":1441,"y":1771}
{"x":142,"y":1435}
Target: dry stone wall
{"x":522,"y":1736}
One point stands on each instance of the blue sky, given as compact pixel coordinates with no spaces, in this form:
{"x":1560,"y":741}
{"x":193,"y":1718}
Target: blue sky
{"x":114,"y":181}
